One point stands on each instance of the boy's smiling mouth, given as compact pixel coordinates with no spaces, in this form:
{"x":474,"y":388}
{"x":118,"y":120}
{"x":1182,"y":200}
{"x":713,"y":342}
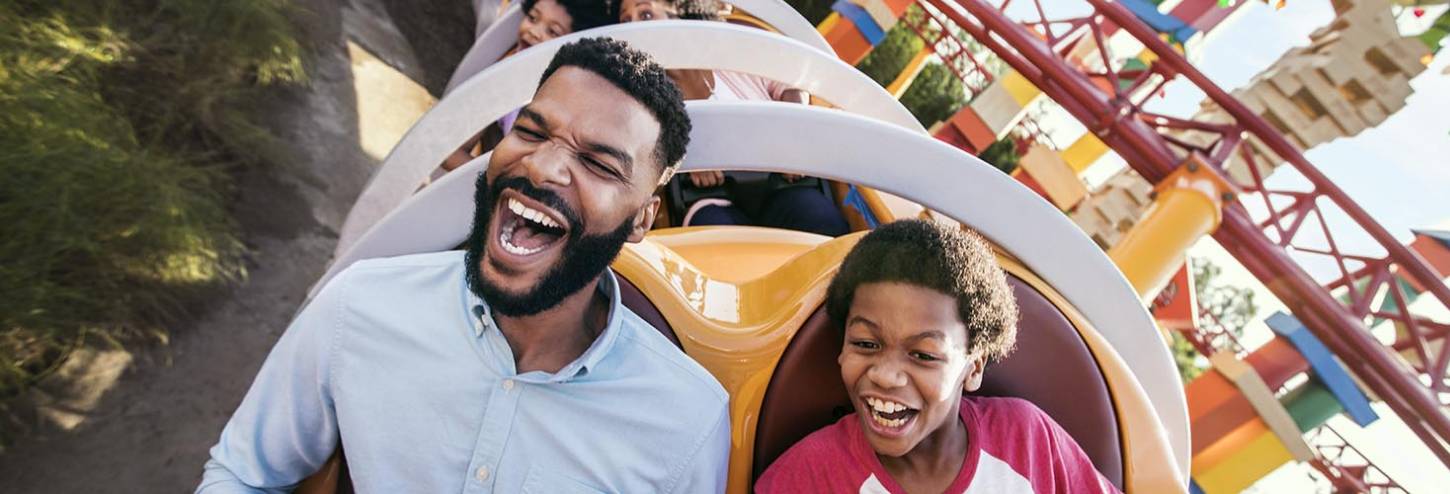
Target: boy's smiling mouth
{"x":889,"y":417}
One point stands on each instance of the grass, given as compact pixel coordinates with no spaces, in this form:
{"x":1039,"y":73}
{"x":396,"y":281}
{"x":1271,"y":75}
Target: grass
{"x":121,"y":124}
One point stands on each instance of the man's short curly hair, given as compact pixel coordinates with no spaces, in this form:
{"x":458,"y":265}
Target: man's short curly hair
{"x":936,"y":257}
{"x":633,"y":72}
{"x":584,"y":14}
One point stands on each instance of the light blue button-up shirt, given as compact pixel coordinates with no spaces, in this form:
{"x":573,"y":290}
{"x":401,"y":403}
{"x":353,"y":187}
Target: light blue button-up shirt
{"x":402,"y":364}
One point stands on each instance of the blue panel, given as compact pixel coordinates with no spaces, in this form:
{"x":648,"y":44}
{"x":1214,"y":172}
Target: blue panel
{"x":858,"y":202}
{"x":1148,"y":13}
{"x":862,"y":19}
{"x":1193,"y":487}
{"x":1328,"y":370}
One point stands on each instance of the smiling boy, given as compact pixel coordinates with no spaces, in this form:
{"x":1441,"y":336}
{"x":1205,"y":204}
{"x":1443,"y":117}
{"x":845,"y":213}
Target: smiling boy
{"x":925,"y":308}
{"x":512,"y":367}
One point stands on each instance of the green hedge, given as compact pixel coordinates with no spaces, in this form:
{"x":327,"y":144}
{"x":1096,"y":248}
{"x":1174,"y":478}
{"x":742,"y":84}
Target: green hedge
{"x":120,"y":125}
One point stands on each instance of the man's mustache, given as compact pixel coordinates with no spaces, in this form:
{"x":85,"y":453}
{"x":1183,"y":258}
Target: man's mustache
{"x":526,"y":188}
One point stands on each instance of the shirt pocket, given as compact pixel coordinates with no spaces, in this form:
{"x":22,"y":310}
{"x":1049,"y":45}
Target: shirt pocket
{"x":542,"y":481}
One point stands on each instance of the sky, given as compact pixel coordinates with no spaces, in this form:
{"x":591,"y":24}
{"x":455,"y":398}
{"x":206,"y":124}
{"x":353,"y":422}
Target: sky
{"x":1398,"y":172}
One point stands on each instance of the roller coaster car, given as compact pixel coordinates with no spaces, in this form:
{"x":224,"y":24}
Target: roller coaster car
{"x":746,"y":302}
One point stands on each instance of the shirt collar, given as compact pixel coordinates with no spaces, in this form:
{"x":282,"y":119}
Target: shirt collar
{"x":481,"y":317}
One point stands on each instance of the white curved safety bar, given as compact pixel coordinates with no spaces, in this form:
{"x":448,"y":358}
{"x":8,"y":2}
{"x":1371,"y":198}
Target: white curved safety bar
{"x":510,"y":84}
{"x":850,"y":148}
{"x":504,"y":34}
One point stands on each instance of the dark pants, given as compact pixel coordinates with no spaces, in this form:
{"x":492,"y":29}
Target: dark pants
{"x":793,"y":208}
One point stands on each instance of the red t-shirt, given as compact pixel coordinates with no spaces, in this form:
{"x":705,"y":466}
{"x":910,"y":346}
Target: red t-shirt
{"x":1012,"y":446}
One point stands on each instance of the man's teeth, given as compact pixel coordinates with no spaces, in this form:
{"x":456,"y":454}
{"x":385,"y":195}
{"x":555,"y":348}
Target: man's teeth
{"x":504,"y":240}
{"x":531,"y":214}
{"x":884,"y":406}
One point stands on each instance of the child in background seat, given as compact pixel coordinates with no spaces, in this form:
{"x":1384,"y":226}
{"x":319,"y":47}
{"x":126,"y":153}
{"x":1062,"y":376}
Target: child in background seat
{"x":925,"y":308}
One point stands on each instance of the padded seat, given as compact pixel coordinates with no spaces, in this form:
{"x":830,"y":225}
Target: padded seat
{"x":1051,"y":367}
{"x":635,"y":300}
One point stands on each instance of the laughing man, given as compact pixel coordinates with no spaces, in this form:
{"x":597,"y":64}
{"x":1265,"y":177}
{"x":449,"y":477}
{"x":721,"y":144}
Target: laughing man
{"x":511,"y":367}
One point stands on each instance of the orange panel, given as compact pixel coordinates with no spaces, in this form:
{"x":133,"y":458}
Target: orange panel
{"x":1228,"y":445}
{"x":1207,"y":392}
{"x":898,"y":7}
{"x":971,"y":125}
{"x":848,"y":41}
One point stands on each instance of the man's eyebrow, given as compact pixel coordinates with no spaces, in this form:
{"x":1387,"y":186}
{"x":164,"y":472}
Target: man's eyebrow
{"x":625,"y":161}
{"x":538,"y":119}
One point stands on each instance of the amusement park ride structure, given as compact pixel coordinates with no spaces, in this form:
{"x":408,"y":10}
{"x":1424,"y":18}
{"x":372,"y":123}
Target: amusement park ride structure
{"x":1232,"y":147}
{"x":1073,"y":59}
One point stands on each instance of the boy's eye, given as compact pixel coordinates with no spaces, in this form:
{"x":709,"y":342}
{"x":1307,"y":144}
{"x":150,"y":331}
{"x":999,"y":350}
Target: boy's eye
{"x":646,"y":15}
{"x":924,"y":357}
{"x":865,"y":344}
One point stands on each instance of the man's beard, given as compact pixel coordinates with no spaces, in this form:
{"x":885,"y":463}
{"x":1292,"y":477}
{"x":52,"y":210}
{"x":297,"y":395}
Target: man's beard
{"x":582,"y":258}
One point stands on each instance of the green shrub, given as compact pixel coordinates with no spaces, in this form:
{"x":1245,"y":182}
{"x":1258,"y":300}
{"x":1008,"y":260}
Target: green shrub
{"x":886,"y":61}
{"x":120,"y":123}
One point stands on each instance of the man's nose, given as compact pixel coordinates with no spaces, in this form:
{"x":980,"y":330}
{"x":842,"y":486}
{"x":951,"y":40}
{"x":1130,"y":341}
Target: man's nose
{"x":549,"y":164}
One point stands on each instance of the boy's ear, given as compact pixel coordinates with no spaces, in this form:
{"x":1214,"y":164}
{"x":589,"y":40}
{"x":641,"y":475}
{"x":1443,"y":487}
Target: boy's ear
{"x":976,"y":364}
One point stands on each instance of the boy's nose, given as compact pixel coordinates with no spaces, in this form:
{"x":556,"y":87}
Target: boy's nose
{"x":886,"y":375}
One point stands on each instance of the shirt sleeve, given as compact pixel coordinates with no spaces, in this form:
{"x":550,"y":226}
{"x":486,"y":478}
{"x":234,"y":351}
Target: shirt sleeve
{"x":776,"y":88}
{"x":286,"y":426}
{"x":708,"y":469}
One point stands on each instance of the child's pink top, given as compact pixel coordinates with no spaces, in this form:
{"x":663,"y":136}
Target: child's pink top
{"x":1012,"y":446}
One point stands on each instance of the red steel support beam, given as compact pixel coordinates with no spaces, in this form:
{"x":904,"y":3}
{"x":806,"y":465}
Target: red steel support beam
{"x":1112,"y":119}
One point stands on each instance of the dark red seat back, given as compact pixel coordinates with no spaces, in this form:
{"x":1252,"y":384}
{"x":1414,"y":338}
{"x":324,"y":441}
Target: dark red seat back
{"x":635,"y":300}
{"x":1051,"y":367}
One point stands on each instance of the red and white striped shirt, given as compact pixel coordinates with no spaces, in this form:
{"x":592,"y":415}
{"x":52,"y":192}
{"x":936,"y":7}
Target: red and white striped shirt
{"x":1012,"y":446}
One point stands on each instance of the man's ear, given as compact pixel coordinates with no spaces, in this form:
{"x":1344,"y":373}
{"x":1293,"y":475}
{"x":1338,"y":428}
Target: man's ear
{"x":976,"y":364}
{"x":644,"y":219}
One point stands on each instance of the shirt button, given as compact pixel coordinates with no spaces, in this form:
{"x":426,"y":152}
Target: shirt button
{"x":481,"y":474}
{"x":508,"y":384}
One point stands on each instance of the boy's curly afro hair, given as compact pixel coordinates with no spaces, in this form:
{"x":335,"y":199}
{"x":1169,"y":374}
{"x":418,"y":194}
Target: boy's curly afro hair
{"x":949,"y":260}
{"x":633,"y":72}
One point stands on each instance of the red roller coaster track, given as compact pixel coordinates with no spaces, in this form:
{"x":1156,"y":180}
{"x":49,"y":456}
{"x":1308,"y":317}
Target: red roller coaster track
{"x":1152,"y":145}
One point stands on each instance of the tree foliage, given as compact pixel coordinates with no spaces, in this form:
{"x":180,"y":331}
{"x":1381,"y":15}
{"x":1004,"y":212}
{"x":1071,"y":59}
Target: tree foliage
{"x":890,"y":57}
{"x":1002,"y":154}
{"x":117,"y":124}
{"x":935,"y":95}
{"x":1233,"y":306}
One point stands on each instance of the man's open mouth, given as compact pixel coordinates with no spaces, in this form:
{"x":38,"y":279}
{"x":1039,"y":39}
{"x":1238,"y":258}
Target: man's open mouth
{"x":525,"y":229}
{"x":890,"y":415}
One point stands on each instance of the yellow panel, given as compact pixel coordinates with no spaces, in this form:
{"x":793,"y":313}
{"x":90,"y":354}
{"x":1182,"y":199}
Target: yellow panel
{"x":1227,"y":446}
{"x":1260,"y":457}
{"x":1022,"y":91}
{"x":830,"y":23}
{"x":736,"y":254}
{"x":908,"y":74}
{"x":1054,"y":175}
{"x":1083,"y":152}
{"x":1186,"y":209}
{"x":736,"y":330}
